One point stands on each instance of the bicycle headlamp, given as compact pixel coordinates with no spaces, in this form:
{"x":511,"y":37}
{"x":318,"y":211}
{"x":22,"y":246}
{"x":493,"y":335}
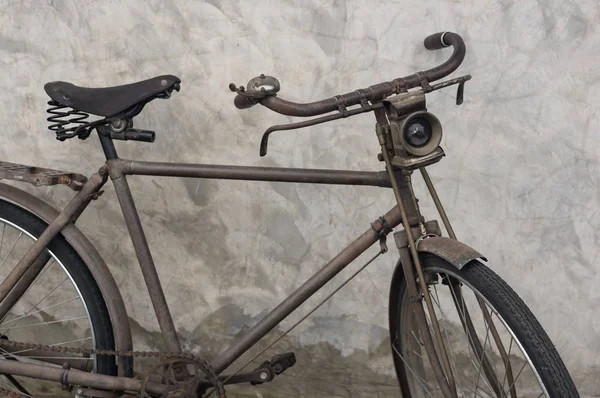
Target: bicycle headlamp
{"x":420,"y":133}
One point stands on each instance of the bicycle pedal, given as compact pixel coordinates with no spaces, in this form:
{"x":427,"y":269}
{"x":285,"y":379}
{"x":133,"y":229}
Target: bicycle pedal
{"x":276,"y":366}
{"x":279,"y":363}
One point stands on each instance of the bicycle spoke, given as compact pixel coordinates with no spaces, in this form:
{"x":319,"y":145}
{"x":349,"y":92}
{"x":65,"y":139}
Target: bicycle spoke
{"x":452,"y":356}
{"x":38,"y":303}
{"x":70,"y":341}
{"x":46,"y":268}
{"x":11,"y":249}
{"x":2,"y":238}
{"x":487,"y":335}
{"x":508,"y":357}
{"x":51,"y":322}
{"x":518,"y":374}
{"x":463,"y":321}
{"x":423,"y":382}
{"x":40,"y":310}
{"x":477,"y":390}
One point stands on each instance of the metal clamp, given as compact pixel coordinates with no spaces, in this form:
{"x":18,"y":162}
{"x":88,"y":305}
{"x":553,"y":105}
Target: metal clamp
{"x":341,"y":107}
{"x":64,"y":377}
{"x":364,"y":103}
{"x":424,"y":82}
{"x":381,"y":226}
{"x":399,"y":86}
{"x":423,"y":237}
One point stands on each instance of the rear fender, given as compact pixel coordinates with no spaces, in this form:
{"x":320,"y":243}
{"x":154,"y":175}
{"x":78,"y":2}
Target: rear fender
{"x":89,"y":254}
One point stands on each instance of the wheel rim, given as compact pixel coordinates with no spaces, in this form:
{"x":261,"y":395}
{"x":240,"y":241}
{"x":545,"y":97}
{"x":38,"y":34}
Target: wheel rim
{"x":51,"y":301}
{"x":471,"y":380}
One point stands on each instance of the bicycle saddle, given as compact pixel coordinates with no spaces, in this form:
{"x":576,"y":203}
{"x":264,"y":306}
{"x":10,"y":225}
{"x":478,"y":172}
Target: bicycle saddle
{"x":110,"y":101}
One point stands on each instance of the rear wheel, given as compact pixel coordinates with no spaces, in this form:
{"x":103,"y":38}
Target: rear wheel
{"x":62,"y":307}
{"x":496,"y":347}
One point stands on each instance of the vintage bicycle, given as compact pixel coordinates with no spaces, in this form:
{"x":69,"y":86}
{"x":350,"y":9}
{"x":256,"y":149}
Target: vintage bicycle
{"x":456,"y":328}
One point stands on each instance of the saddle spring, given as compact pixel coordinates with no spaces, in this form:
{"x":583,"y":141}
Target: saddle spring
{"x":68,"y":122}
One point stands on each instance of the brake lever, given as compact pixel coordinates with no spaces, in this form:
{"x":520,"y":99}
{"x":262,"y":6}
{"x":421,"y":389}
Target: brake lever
{"x":312,"y":122}
{"x":460,"y":90}
{"x":460,"y":93}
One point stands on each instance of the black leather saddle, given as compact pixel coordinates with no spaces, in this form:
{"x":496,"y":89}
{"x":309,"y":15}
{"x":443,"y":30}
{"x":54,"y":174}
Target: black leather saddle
{"x":110,"y":101}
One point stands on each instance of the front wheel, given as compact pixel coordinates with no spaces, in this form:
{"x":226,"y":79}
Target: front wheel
{"x":495,"y":346}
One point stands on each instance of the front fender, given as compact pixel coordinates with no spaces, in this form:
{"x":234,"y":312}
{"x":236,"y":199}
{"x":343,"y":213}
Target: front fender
{"x":88,"y":253}
{"x":451,"y":250}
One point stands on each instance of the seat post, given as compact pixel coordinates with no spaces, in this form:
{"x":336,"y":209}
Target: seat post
{"x":108,"y":145}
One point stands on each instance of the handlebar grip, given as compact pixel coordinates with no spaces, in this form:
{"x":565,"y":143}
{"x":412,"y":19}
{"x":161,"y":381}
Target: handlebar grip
{"x":435,"y":41}
{"x":242,"y":102}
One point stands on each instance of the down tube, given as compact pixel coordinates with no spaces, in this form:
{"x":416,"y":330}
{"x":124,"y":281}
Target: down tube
{"x":303,"y":293}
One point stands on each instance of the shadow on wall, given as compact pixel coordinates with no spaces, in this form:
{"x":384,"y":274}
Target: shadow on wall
{"x":321,"y":369}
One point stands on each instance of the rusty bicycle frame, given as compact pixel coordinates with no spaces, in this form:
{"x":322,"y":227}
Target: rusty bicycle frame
{"x":399,"y":168}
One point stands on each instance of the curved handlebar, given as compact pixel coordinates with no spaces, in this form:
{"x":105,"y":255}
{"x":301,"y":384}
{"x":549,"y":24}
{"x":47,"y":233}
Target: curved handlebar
{"x":376,"y":92}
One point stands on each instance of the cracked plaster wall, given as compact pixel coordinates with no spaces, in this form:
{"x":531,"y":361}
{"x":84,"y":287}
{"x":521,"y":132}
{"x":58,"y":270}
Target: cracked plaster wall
{"x":520,"y":180}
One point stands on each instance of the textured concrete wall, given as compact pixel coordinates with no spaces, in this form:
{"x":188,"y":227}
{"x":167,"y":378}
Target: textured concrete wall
{"x":520,"y":180}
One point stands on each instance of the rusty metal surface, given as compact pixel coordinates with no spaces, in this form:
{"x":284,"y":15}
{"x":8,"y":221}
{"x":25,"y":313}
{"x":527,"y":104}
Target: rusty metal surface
{"x":57,"y":358}
{"x":69,"y":214}
{"x":438,"y":202}
{"x":374,"y":93}
{"x":447,"y":384}
{"x":406,"y":211}
{"x":403,"y":104}
{"x":95,"y":263}
{"x":118,"y":167}
{"x":407,"y":264}
{"x":142,"y":251}
{"x":451,"y":250}
{"x":70,"y":377}
{"x":304,"y":292}
{"x":431,"y":227}
{"x":23,"y":284}
{"x":39,"y":176}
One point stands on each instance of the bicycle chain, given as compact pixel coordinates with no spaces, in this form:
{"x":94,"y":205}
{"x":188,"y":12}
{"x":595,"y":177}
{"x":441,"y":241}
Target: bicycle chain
{"x":202,"y":363}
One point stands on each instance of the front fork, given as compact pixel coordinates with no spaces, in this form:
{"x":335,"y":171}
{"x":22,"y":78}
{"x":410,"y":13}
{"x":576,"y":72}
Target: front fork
{"x":444,"y":377}
{"x":410,"y":263}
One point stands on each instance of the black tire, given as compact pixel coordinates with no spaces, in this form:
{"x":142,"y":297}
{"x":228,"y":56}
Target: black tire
{"x":81,"y":276}
{"x":509,"y":306}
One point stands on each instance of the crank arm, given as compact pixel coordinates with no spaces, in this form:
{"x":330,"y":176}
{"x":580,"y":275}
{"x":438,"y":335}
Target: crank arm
{"x":263,"y":374}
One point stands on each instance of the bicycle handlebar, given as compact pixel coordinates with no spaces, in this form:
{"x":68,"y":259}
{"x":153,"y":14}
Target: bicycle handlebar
{"x":376,"y":92}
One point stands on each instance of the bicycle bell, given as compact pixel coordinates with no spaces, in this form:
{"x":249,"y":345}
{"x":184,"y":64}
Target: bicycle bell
{"x":263,"y":85}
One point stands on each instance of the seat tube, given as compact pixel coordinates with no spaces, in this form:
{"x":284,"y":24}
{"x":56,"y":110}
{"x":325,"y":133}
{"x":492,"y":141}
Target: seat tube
{"x":140,"y":245}
{"x":108,"y":146}
{"x":142,"y":251}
